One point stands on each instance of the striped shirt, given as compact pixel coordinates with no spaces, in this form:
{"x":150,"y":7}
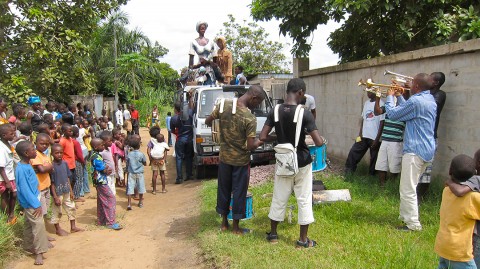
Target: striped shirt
{"x":419,"y":113}
{"x":393,"y":130}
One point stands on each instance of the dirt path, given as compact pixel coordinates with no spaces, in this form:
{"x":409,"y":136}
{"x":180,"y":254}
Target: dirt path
{"x":155,"y":236}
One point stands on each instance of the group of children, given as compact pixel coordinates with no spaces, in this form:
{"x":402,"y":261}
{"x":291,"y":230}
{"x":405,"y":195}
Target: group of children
{"x":50,"y":163}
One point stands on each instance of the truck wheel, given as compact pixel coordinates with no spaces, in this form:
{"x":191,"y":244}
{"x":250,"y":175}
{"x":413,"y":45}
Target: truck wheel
{"x":200,"y":171}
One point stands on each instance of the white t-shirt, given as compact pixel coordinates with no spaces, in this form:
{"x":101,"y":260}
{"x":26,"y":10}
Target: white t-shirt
{"x":310,"y":102}
{"x":81,"y":135}
{"x":119,"y":117}
{"x":109,"y":126}
{"x":6,"y":161}
{"x":370,"y":121}
{"x":162,"y":146}
{"x":126,"y":114}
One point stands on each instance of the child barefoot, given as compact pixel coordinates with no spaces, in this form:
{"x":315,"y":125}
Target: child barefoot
{"x":135,"y":162}
{"x":42,"y":165}
{"x":156,"y":150}
{"x":35,"y":235}
{"x":8,"y":190}
{"x":106,"y":201}
{"x":62,"y":192}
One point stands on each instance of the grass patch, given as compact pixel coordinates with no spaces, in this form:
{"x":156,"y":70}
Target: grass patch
{"x":357,"y":234}
{"x":10,"y":239}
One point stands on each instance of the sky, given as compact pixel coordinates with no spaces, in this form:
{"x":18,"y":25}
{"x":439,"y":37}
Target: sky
{"x":172,"y":24}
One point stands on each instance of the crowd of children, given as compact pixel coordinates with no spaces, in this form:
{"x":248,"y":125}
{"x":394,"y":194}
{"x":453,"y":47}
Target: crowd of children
{"x":48,"y":157}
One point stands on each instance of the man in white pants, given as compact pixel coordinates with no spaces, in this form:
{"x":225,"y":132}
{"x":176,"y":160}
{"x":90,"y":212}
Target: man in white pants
{"x":301,"y":183}
{"x":419,"y":114}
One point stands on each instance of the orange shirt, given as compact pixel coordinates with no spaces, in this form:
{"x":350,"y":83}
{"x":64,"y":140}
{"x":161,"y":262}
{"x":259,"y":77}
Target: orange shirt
{"x":68,"y":152}
{"x":43,"y":178}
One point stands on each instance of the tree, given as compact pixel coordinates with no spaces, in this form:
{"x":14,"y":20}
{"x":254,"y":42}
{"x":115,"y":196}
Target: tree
{"x":45,"y":42}
{"x":373,"y":28}
{"x":251,"y":48}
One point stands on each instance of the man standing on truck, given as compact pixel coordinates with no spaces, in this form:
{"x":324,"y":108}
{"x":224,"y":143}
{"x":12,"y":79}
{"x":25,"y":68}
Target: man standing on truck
{"x":238,"y":131}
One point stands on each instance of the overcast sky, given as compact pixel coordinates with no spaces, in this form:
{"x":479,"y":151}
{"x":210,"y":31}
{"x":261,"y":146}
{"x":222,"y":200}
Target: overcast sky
{"x":172,"y":24}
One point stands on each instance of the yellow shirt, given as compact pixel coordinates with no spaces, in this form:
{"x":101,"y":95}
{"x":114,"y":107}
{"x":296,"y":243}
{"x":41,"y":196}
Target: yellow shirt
{"x":87,"y":140}
{"x":457,"y":221}
{"x":43,"y":178}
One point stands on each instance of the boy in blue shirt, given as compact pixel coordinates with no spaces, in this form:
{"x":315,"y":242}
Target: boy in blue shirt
{"x":135,"y":162}
{"x":35,"y":236}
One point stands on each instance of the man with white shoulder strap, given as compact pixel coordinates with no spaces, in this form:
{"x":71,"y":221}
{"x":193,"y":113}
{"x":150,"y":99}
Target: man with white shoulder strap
{"x":238,"y":131}
{"x":285,"y":118}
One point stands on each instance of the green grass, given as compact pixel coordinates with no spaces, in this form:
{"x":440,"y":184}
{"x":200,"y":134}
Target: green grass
{"x":10,"y":239}
{"x":356,"y":234}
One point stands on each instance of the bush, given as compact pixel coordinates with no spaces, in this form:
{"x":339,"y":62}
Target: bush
{"x":9,"y":239}
{"x":162,"y":98}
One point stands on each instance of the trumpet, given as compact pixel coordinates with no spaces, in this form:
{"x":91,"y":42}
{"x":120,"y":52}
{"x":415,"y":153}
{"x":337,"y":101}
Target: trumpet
{"x":398,"y":77}
{"x":377,"y":87}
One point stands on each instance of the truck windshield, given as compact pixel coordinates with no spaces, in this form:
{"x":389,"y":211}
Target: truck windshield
{"x":207,"y":100}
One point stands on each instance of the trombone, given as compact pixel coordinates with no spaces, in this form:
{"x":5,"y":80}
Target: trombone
{"x":398,"y":77}
{"x":376,"y":88}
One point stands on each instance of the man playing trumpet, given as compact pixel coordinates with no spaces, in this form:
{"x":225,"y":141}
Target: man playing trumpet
{"x":419,"y":114}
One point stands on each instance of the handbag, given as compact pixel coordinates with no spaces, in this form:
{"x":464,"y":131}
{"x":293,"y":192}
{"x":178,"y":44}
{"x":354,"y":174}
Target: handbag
{"x":286,"y":153}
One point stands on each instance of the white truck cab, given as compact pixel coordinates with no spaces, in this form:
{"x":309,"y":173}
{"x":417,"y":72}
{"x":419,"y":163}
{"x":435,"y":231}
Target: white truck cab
{"x":202,"y":103}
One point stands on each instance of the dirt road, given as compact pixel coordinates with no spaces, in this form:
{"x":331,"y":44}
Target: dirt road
{"x":155,"y":236}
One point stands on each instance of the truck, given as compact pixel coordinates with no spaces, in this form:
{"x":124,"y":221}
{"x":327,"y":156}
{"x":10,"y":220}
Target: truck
{"x":201,"y":99}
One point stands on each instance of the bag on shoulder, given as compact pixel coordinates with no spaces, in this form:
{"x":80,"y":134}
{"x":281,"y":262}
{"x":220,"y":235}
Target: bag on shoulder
{"x":216,"y":122}
{"x":286,"y":153}
{"x":157,"y":151}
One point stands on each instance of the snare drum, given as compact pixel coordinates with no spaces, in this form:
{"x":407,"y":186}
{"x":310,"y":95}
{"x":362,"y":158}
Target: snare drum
{"x":319,"y":157}
{"x":248,"y":207}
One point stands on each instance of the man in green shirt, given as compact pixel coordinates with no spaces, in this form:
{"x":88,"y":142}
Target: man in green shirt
{"x":237,"y":138}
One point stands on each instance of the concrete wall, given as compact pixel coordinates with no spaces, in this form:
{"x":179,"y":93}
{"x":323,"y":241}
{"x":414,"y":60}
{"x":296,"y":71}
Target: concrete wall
{"x":339,"y":100}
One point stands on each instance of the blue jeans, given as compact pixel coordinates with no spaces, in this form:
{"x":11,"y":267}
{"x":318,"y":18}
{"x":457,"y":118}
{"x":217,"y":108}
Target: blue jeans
{"x":184,"y":152}
{"x":447,"y":264}
{"x":169,"y":138}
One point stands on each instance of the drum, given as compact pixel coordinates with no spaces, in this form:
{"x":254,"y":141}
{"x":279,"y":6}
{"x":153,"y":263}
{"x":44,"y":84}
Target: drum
{"x":319,"y":157}
{"x":216,"y":131}
{"x":248,"y":207}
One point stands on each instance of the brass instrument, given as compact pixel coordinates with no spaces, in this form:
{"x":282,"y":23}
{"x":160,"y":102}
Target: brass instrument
{"x":376,"y":88}
{"x":398,"y":77}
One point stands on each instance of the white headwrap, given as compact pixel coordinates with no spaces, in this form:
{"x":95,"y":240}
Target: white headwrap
{"x":200,"y":23}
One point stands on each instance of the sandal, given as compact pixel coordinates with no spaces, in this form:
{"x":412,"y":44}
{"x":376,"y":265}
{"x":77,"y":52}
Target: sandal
{"x":272,"y":238}
{"x":129,"y":207}
{"x":140,"y":204}
{"x":307,"y":244}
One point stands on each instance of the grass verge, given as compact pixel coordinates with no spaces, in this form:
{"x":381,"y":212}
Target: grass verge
{"x":356,"y":234}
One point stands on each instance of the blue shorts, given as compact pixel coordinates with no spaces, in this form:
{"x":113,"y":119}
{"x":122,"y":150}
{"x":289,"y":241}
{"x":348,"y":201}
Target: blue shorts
{"x":135,"y":181}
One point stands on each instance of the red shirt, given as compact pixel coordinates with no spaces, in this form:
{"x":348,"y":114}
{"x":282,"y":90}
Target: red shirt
{"x":135,"y":114}
{"x":68,"y":151}
{"x":78,"y":152}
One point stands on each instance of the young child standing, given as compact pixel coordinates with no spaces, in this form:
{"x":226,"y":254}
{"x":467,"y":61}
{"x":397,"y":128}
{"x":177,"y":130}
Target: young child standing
{"x":117,"y":150}
{"x":135,"y":162}
{"x":62,"y":192}
{"x":156,"y":150}
{"x":8,"y":189}
{"x":457,"y":219}
{"x":35,"y":235}
{"x":472,"y":184}
{"x":79,"y":165}
{"x":106,"y":201}
{"x":42,"y":166}
{"x":68,"y":148}
{"x":107,"y":156}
